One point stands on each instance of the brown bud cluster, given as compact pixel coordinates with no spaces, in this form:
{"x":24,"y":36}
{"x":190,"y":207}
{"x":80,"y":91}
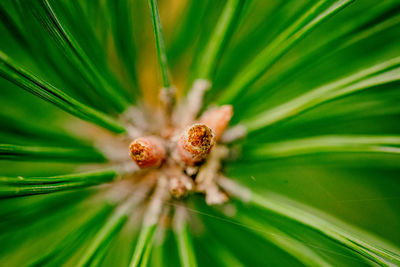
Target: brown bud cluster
{"x":193,"y":163}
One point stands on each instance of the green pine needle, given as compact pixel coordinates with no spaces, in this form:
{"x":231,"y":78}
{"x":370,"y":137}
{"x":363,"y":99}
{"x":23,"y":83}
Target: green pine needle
{"x":29,"y":153}
{"x":294,"y":247}
{"x":159,"y":38}
{"x":308,"y":171}
{"x":24,"y":186}
{"x":379,"y":74}
{"x":66,"y":245}
{"x":144,"y":244}
{"x":34,"y":85}
{"x":218,"y":39}
{"x":355,"y":31}
{"x":280,"y":46}
{"x":112,"y":225}
{"x":326,"y":144}
{"x":71,"y":46}
{"x":185,"y":246}
{"x":272,"y":203}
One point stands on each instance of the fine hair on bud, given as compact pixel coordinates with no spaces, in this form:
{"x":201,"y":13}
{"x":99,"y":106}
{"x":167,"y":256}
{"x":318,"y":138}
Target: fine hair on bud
{"x":195,"y":143}
{"x":147,"y":151}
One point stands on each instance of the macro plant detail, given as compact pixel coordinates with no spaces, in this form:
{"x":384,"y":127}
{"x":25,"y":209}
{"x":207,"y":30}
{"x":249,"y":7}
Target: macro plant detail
{"x":199,"y":133}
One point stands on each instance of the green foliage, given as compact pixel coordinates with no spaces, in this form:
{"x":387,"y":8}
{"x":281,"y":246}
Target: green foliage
{"x":314,"y":84}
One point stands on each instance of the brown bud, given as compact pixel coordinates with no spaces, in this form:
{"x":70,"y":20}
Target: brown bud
{"x":195,"y":143}
{"x":217,"y":119}
{"x":147,"y":151}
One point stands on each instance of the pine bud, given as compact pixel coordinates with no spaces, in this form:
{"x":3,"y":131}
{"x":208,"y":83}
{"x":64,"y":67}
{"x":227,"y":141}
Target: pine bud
{"x":217,"y":119}
{"x":195,"y":143}
{"x":147,"y":151}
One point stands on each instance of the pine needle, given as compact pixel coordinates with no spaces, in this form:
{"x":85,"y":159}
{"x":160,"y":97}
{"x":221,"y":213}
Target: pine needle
{"x":24,"y":186}
{"x":28,"y":153}
{"x":184,"y":240}
{"x":292,"y":246}
{"x":64,"y":39}
{"x":66,"y":246}
{"x":353,"y":33}
{"x":34,"y":85}
{"x":225,"y":25}
{"x":120,"y":13}
{"x":145,"y":240}
{"x":364,"y":250}
{"x":108,"y":230}
{"x":379,"y":74}
{"x":326,"y":144}
{"x":159,"y":38}
{"x":150,"y":223}
{"x":276,"y":49}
